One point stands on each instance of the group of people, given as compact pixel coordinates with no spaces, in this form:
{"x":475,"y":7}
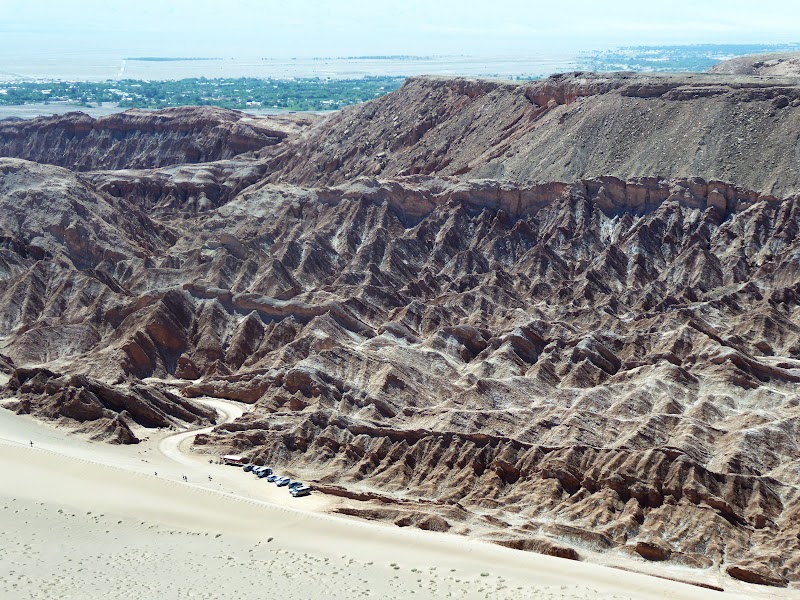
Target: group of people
{"x":184,"y":477}
{"x":155,"y":473}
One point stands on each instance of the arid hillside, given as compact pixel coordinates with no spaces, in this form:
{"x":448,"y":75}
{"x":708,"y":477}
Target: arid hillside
{"x":435,"y":311}
{"x":741,"y":130}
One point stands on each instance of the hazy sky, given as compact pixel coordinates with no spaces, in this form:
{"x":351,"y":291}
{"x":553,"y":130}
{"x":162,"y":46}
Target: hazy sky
{"x":230,"y":28}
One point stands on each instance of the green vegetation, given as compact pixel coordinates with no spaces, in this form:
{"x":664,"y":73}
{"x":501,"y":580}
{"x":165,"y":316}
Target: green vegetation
{"x":239,"y":93}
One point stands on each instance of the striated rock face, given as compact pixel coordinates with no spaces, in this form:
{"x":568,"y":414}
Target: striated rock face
{"x":580,"y":364}
{"x":138,"y":139}
{"x":576,"y":365}
{"x":779,"y":64}
{"x":566,"y":127}
{"x":604,"y":363}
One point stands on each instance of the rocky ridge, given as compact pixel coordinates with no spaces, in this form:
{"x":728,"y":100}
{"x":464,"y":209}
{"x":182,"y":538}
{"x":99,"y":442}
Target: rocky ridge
{"x":137,"y":139}
{"x":583,"y":364}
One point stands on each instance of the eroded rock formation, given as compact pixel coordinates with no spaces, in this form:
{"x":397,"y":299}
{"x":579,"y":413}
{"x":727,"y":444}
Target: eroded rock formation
{"x":590,"y":362}
{"x":106,"y":410}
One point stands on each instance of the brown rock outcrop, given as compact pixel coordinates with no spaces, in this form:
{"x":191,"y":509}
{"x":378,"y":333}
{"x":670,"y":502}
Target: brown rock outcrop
{"x":756,"y":574}
{"x":182,"y":189}
{"x":653,"y":550}
{"x":540,"y":546}
{"x":48,"y":213}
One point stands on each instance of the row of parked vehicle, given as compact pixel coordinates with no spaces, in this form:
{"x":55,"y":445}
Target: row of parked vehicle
{"x":296,"y":488}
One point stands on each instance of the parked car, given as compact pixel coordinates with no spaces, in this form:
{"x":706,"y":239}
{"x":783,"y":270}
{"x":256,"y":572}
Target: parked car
{"x":248,"y":467}
{"x":300,"y":491}
{"x":271,"y":477}
{"x":282,"y":481}
{"x":265,"y":472}
{"x":295,"y":484}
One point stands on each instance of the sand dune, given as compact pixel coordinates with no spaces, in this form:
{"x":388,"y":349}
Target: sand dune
{"x":71,"y":527}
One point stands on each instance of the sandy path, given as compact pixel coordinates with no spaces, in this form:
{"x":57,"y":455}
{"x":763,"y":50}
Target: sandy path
{"x":173,"y":446}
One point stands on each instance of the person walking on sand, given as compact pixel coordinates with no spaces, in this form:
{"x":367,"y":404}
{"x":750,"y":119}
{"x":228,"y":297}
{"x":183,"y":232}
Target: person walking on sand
{"x":31,"y":443}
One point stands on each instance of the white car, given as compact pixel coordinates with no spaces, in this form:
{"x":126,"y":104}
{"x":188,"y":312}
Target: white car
{"x":282,"y":481}
{"x":300,"y":491}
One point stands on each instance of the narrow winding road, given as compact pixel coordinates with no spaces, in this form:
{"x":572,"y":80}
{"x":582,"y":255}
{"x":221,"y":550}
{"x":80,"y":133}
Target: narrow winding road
{"x":170,"y":446}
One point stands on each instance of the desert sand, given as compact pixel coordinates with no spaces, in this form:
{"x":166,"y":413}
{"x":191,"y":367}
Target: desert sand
{"x":81,"y":519}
